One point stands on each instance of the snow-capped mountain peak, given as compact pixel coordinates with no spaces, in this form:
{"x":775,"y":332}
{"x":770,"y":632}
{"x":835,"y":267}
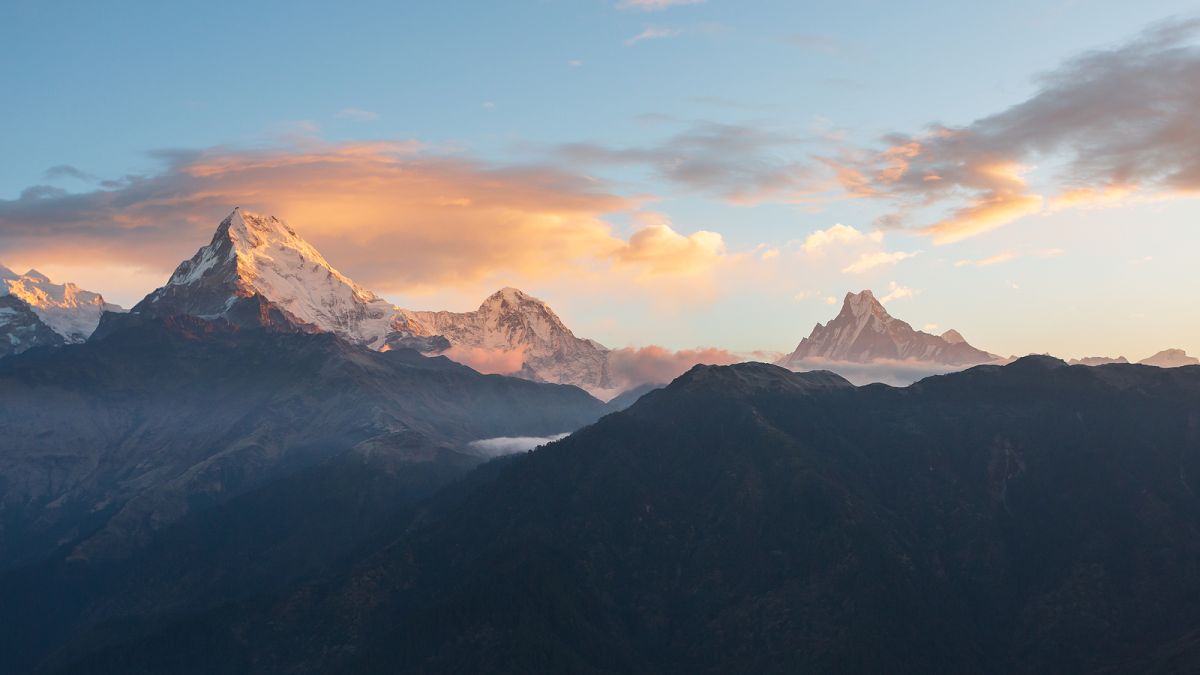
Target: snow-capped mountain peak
{"x":68,"y":310}
{"x":258,"y":271}
{"x":510,"y":320}
{"x":254,"y":255}
{"x":513,"y":306}
{"x":864,"y":332}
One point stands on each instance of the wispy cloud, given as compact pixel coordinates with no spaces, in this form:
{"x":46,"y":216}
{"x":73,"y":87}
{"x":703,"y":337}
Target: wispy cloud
{"x":1007,"y":256}
{"x":739,"y":163}
{"x":357,"y":115}
{"x":1121,"y":119}
{"x":870,"y":261}
{"x":654,"y":5}
{"x":510,"y":445}
{"x":652,"y":33}
{"x":896,"y":292}
{"x":68,"y":171}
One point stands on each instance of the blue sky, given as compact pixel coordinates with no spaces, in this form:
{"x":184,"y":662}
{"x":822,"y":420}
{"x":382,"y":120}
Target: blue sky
{"x":106,"y":90}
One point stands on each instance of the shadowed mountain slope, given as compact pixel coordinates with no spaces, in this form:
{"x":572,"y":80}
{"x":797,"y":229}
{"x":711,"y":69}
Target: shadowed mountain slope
{"x":1033,"y":517}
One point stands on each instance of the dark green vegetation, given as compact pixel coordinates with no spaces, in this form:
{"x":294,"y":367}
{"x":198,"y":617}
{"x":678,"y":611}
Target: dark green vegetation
{"x":1027,"y":518}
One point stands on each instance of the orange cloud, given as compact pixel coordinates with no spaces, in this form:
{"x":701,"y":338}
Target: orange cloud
{"x":392,"y":217}
{"x":659,"y":365}
{"x":658,"y":249}
{"x":488,"y":361}
{"x":1108,"y":195}
{"x":1114,"y":123}
{"x":984,"y":214}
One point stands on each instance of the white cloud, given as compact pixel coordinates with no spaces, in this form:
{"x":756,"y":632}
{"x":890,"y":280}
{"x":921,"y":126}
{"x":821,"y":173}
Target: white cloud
{"x":652,"y":33}
{"x":838,"y":235}
{"x":896,"y":292}
{"x":510,"y":445}
{"x":869,"y":261}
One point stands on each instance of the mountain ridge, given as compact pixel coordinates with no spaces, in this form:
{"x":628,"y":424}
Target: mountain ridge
{"x":36,"y":312}
{"x":257,"y":271}
{"x":745,"y":519}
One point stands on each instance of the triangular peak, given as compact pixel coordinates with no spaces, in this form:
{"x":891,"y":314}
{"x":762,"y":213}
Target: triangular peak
{"x":512,"y":296}
{"x":862,"y":303}
{"x":953,"y":337}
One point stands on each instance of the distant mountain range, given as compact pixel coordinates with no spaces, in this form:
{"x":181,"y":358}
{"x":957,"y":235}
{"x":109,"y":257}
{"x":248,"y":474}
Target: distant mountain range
{"x":36,"y":312}
{"x":865,"y":343}
{"x":1170,"y":358}
{"x":1167,"y":358}
{"x":1032,"y":518}
{"x":258,"y":271}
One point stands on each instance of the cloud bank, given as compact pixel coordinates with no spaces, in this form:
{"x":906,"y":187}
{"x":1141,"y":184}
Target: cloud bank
{"x":390,"y":215}
{"x":894,"y":372}
{"x":1112,"y":123}
{"x":635,"y":366}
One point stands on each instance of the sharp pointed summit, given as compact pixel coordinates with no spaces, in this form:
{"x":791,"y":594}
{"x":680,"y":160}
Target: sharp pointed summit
{"x":863,"y":332}
{"x":257,"y":271}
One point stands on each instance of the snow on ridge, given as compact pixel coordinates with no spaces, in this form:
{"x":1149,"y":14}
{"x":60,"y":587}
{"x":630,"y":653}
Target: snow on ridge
{"x":65,"y":308}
